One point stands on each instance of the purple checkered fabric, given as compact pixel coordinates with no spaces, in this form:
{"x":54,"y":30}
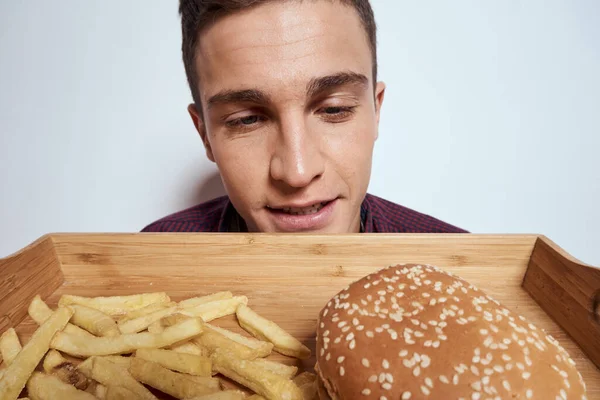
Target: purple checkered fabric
{"x":377,"y":216}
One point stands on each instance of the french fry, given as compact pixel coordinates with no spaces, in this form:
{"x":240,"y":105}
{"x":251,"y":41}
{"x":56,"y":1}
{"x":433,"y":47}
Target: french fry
{"x":101,"y":346}
{"x":47,"y":387}
{"x":211,"y":383}
{"x":212,"y":341}
{"x":262,"y":328}
{"x":100,"y":391}
{"x":119,"y":360}
{"x":263,"y":349}
{"x":180,"y":362}
{"x":196,"y":301}
{"x":307,"y":382}
{"x":248,"y":374}
{"x":120,"y":393}
{"x":286,"y":371}
{"x":94,"y":321}
{"x":309,"y":390}
{"x":18,"y":372}
{"x":110,"y":374}
{"x":173,"y":319}
{"x":40,"y":312}
{"x":215,"y":309}
{"x":189,"y":348}
{"x":52,"y":360}
{"x":304,"y":378}
{"x":155,"y":327}
{"x":10,"y":346}
{"x":224,"y":395}
{"x":139,"y":324}
{"x":172,"y":383}
{"x":116,"y":305}
{"x":86,"y":366}
{"x":55,"y":364}
{"x":149,"y":309}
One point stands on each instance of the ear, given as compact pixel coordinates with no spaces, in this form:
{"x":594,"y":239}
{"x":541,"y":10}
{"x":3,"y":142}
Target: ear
{"x":379,"y":95}
{"x":201,"y":128}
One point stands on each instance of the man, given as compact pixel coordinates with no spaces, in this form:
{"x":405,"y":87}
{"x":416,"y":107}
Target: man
{"x":287,"y":104}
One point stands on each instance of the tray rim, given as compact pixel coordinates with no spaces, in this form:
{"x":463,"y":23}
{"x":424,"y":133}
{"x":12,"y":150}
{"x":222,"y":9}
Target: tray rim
{"x":531,"y":236}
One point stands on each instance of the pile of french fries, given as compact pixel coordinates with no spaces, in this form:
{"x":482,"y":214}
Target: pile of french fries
{"x":136,"y":347}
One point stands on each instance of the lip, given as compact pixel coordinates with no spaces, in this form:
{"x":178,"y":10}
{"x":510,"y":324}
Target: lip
{"x":299,"y":205}
{"x":285,"y":222}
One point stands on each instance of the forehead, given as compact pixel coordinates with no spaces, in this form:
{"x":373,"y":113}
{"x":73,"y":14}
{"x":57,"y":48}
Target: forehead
{"x":281,"y":45}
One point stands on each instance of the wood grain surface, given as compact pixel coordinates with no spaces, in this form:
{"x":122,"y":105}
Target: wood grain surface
{"x":288,"y":278}
{"x":566,"y":290}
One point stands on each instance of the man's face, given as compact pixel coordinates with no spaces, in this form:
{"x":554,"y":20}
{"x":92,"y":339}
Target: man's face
{"x":289,"y":114}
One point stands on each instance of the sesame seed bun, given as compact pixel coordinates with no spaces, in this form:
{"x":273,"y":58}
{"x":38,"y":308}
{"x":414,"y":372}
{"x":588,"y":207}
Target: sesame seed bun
{"x":414,"y":332}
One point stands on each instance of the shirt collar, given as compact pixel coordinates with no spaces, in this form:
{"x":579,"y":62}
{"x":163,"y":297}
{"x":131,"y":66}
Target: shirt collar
{"x":231,"y":221}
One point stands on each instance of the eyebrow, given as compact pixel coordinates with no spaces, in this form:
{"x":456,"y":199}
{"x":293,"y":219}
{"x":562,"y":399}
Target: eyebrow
{"x":238,"y":96}
{"x":315,"y":87}
{"x":322,"y":84}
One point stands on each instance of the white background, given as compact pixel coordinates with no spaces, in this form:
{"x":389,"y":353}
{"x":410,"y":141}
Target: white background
{"x":491,"y":119}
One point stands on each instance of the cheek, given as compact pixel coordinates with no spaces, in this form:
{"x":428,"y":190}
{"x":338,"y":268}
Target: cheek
{"x":241,"y":167}
{"x":352,"y":151}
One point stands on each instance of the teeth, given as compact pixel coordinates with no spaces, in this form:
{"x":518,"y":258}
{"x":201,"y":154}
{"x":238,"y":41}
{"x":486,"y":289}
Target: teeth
{"x":315,"y":208}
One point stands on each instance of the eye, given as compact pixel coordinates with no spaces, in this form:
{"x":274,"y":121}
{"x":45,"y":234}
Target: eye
{"x":244,"y":122}
{"x":336,"y":114}
{"x":333,"y":110}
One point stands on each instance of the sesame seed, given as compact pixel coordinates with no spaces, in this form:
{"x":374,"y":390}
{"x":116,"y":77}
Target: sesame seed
{"x":350,"y":336}
{"x":373,"y":378}
{"x":382,"y":377}
{"x":386,"y":386}
{"x":337,"y":340}
{"x":370,"y":334}
{"x":506,"y":385}
{"x":417,"y":371}
{"x":425,"y":390}
{"x":340,"y":359}
{"x":443,"y":379}
{"x":406,"y":395}
{"x":526,"y":375}
{"x":383,"y":398}
{"x":476,"y":396}
{"x":342,"y":371}
{"x":476,"y":386}
{"x":389,"y":377}
{"x":328,"y":357}
{"x":529,"y":394}
{"x":352,"y":345}
{"x":403,"y":353}
{"x":425,"y":361}
{"x":366,"y":392}
{"x":365,"y":362}
{"x":429,"y":382}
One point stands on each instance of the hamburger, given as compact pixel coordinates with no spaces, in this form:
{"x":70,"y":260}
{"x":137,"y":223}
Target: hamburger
{"x":418,"y":332}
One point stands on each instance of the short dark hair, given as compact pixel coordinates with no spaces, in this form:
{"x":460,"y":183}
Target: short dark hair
{"x":196,"y":15}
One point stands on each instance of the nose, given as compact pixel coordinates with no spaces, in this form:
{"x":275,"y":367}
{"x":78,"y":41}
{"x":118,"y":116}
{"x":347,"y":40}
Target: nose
{"x":297,"y":159}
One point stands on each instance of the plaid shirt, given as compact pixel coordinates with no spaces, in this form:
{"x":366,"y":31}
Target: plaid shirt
{"x":377,"y":216}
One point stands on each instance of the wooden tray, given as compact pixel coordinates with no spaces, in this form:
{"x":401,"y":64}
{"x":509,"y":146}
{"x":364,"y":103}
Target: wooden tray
{"x":289,"y":278}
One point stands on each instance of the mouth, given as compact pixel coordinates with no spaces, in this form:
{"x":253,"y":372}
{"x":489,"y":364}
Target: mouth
{"x":308,"y":210}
